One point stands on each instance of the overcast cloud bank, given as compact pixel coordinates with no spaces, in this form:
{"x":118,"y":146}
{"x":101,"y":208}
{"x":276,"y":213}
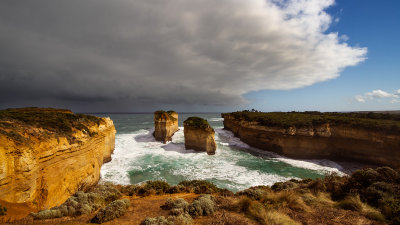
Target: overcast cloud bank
{"x":149,"y":52}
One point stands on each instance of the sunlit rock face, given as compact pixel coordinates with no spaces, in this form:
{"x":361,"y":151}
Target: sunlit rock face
{"x":199,"y":135}
{"x":46,"y":161}
{"x":165,"y":125}
{"x":329,"y":141}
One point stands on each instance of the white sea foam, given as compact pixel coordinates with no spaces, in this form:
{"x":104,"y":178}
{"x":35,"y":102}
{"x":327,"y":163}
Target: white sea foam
{"x":229,"y":168}
{"x":216,"y":119}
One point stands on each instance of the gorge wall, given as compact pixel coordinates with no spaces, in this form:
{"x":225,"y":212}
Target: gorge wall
{"x":336,"y":142}
{"x":44,"y":161}
{"x":165,"y":125}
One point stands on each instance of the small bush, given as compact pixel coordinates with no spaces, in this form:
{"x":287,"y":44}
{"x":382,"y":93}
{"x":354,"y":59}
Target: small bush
{"x":47,"y":214}
{"x":255,"y":193}
{"x":82,"y":203}
{"x":203,"y":206}
{"x":177,"y":189}
{"x":200,"y":186}
{"x":390,"y":208}
{"x":154,"y":187}
{"x":113,"y":210}
{"x":176,"y":206}
{"x":280,"y":186}
{"x":388,"y":175}
{"x":3,"y":210}
{"x":129,"y":190}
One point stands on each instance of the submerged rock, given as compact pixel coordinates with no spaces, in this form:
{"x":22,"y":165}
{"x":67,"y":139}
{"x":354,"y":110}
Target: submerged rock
{"x":199,"y":135}
{"x":165,"y":125}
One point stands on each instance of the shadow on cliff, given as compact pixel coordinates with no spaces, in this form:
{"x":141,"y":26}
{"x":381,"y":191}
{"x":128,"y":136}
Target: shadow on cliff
{"x":228,"y":139}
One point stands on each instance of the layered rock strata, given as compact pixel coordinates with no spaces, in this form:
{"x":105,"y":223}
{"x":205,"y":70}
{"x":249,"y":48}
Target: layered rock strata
{"x":199,"y":135}
{"x":165,"y":125}
{"x":46,"y":155}
{"x":336,"y":142}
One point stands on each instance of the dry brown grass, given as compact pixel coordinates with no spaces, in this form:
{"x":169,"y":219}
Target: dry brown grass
{"x":285,"y":199}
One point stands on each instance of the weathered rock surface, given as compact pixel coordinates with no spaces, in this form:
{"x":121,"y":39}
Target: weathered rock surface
{"x":199,"y":135}
{"x":46,"y":155}
{"x":336,"y":142}
{"x":165,"y":125}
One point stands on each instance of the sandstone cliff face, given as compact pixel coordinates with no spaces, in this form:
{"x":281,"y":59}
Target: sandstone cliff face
{"x":199,"y":138}
{"x":338,"y":142}
{"x":46,"y":168}
{"x":165,"y":125}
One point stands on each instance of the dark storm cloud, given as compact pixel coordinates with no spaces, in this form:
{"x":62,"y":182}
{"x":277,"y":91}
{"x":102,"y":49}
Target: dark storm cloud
{"x":149,"y":52}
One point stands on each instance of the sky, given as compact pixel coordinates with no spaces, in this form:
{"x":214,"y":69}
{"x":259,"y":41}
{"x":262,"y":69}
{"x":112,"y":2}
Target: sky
{"x":200,"y":55}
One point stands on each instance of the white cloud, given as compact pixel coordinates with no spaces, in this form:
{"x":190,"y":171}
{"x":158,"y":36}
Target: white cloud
{"x":205,"y":52}
{"x":378,"y":94}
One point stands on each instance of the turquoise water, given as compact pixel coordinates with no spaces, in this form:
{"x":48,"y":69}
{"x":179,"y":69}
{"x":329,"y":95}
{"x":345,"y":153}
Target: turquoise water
{"x":235,"y":166}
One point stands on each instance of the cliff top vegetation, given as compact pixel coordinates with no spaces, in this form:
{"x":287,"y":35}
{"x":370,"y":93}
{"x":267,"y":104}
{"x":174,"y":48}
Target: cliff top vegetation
{"x":369,"y":196}
{"x":160,"y":113}
{"x":61,"y":122}
{"x":389,"y":123}
{"x":197,"y":122}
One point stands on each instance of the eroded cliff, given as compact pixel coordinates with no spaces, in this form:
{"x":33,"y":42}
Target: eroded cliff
{"x":199,"y":135}
{"x":165,"y":125}
{"x":46,"y":155}
{"x":363,"y":140}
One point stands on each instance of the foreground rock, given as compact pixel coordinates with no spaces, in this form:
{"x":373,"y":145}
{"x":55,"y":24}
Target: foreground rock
{"x":338,"y":136}
{"x":199,"y":135}
{"x":165,"y":125}
{"x":46,"y":155}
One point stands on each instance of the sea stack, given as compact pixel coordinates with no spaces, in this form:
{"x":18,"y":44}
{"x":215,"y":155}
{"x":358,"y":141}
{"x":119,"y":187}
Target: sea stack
{"x":46,"y":155}
{"x":199,"y":135}
{"x":165,"y":125}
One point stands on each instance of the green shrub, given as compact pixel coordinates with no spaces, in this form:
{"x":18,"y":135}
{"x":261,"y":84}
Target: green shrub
{"x":82,"y":203}
{"x":388,"y":175}
{"x":113,"y":210}
{"x":200,"y":186}
{"x":177,"y":189}
{"x":254,"y":193}
{"x":390,"y":208}
{"x":154,"y":187}
{"x":176,"y":206}
{"x":388,"y":123}
{"x":197,"y":122}
{"x":47,"y":214}
{"x":54,"y":121}
{"x":203,"y":206}
{"x":3,"y":210}
{"x":129,"y":190}
{"x":280,"y":186}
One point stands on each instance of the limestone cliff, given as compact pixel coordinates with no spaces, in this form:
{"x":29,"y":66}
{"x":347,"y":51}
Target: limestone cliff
{"x":199,"y":135}
{"x":165,"y":125}
{"x":46,"y":154}
{"x":330,"y":140}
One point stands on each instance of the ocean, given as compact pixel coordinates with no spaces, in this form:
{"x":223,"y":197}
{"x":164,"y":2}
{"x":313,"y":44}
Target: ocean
{"x":235,"y":166}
